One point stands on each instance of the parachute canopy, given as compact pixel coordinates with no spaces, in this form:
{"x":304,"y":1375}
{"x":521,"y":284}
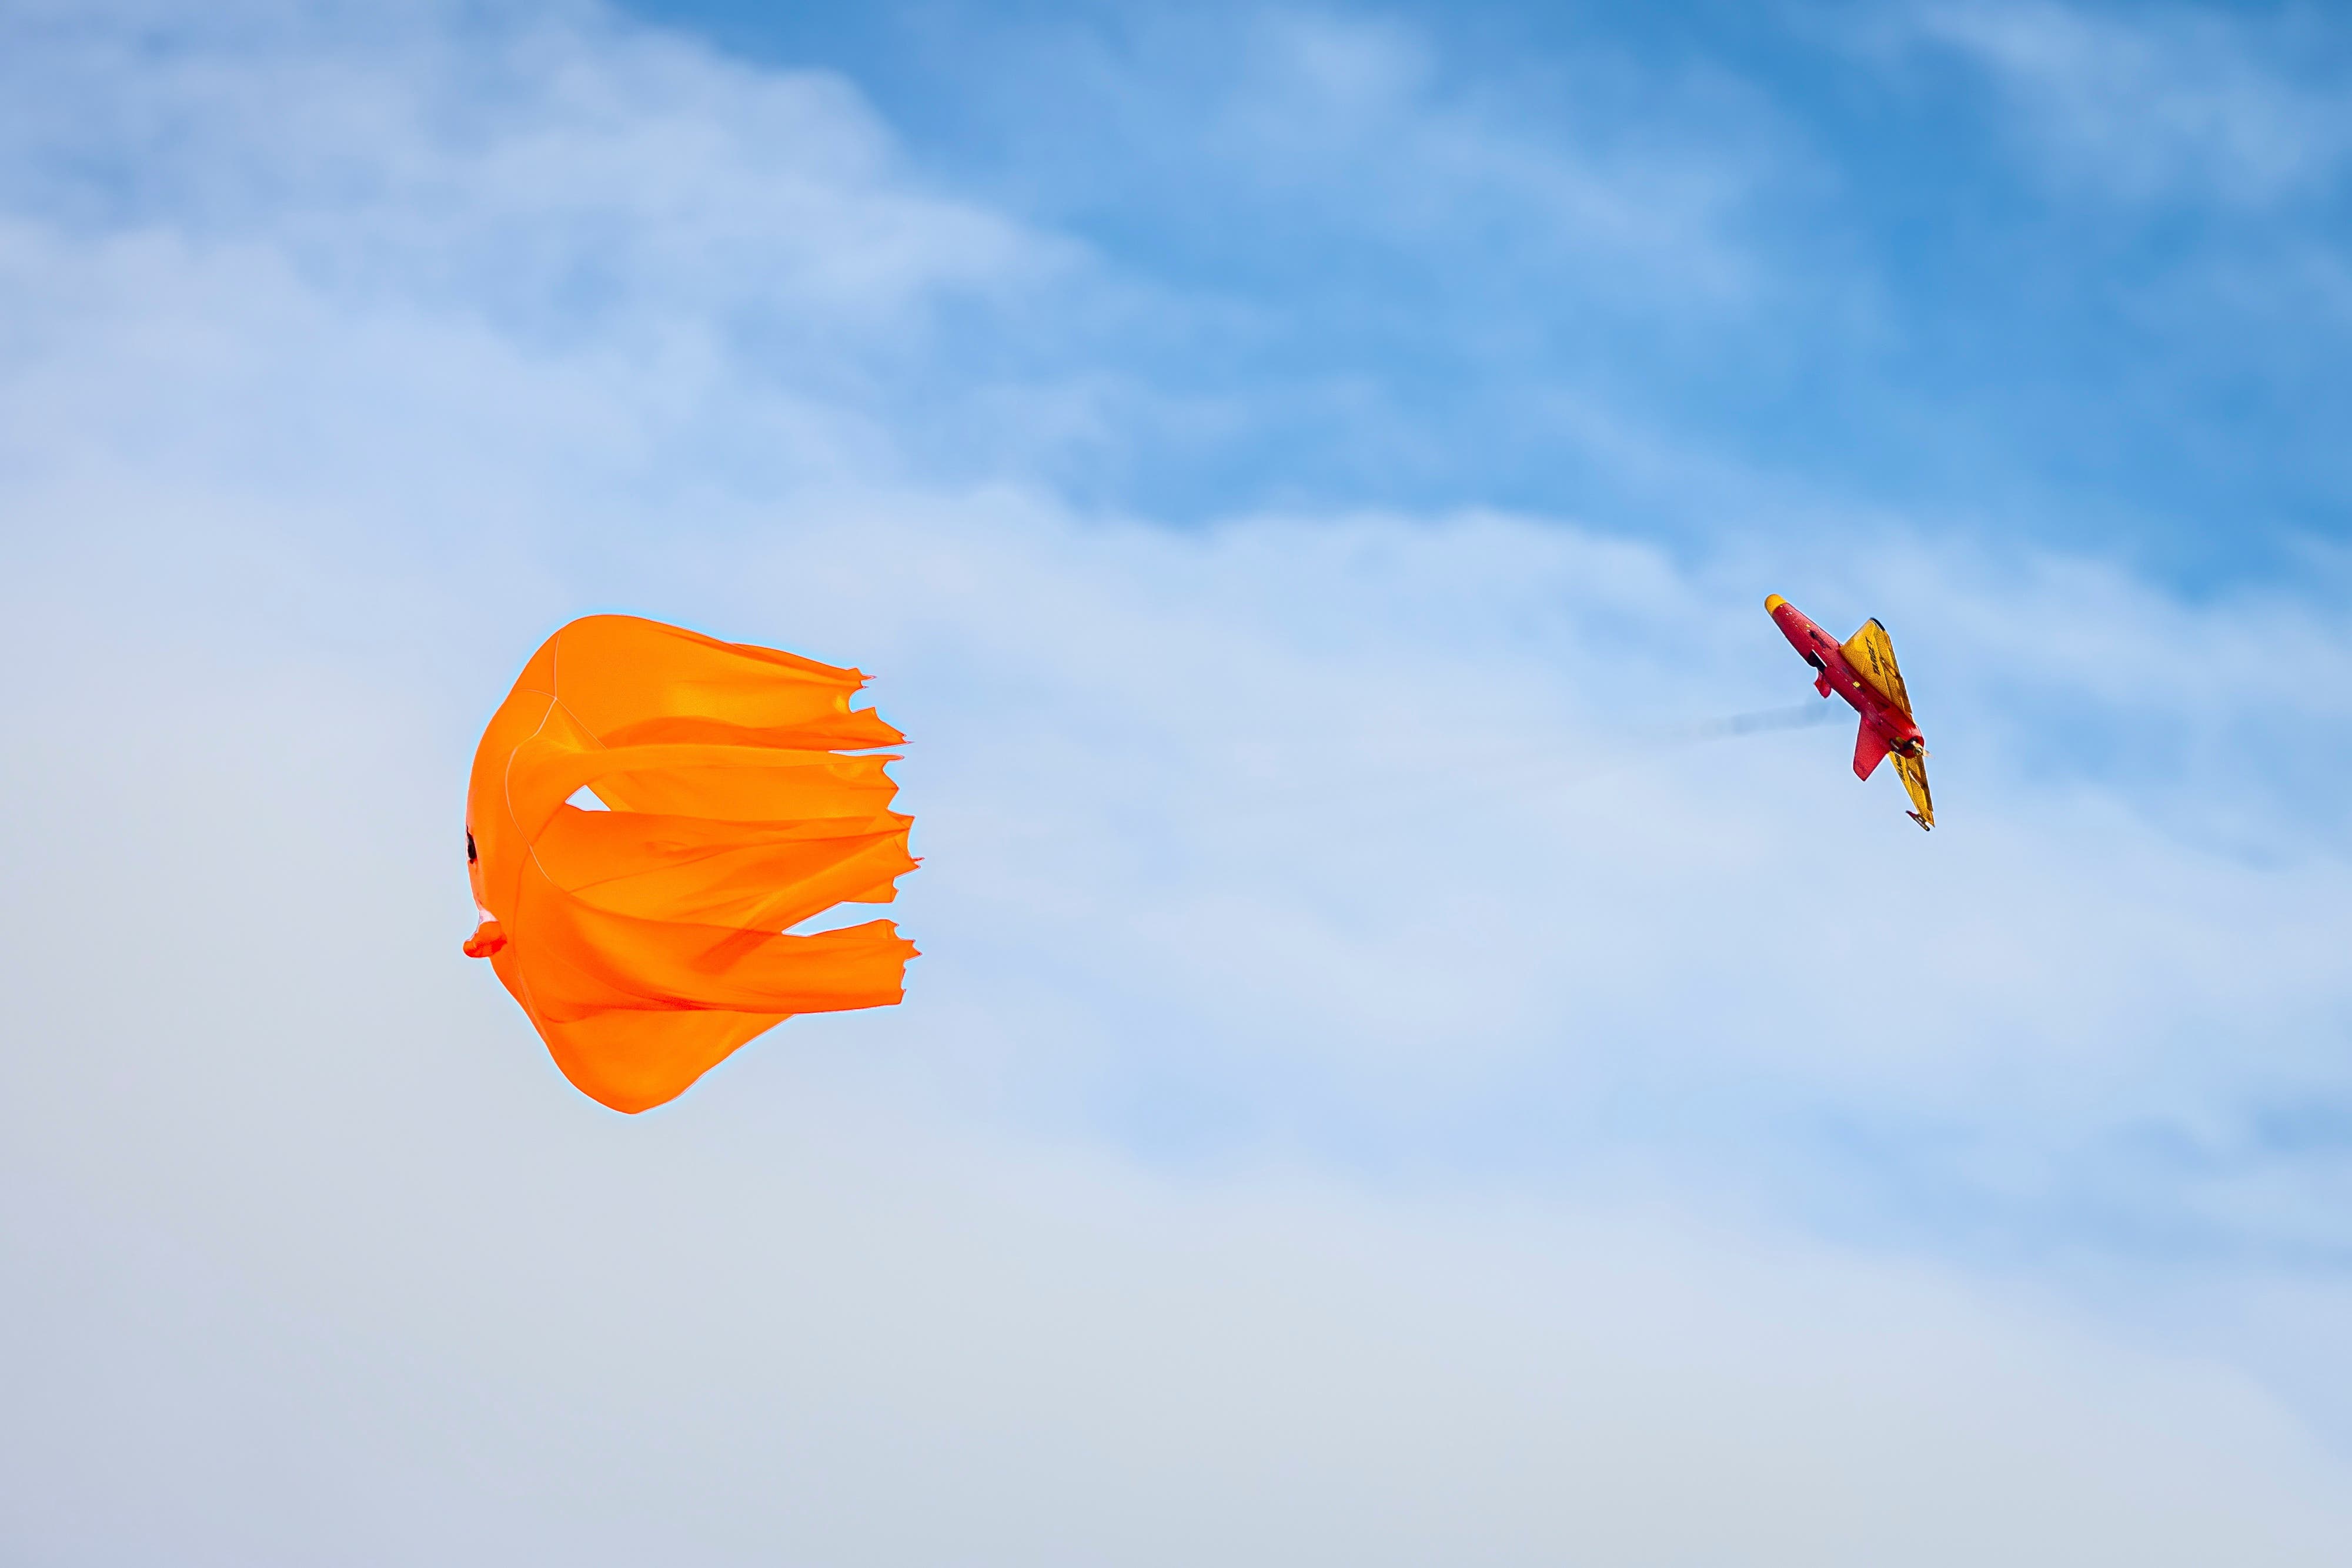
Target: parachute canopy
{"x":646,"y":940}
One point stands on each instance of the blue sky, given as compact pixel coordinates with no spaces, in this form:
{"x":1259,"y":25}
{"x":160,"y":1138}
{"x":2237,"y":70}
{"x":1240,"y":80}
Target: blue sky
{"x":2070,"y":276}
{"x":1381,"y":1082}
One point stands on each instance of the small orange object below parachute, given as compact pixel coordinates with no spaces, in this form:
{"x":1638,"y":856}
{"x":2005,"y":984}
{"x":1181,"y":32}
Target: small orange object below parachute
{"x":1861,"y":670}
{"x":646,"y":941}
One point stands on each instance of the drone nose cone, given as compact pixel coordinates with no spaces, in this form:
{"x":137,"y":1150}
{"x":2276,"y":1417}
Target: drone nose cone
{"x":1773,"y":602}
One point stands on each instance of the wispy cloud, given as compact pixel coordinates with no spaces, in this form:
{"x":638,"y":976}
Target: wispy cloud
{"x":2160,"y":101}
{"x":1353,"y":1048}
{"x":1343,"y":267}
{"x":1451,"y":684}
{"x":606,"y":193}
{"x":555,"y":164}
{"x":1353,"y":123}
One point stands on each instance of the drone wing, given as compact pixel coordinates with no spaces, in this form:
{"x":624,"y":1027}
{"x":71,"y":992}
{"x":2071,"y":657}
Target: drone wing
{"x":1914,"y":770}
{"x":1872,"y":654}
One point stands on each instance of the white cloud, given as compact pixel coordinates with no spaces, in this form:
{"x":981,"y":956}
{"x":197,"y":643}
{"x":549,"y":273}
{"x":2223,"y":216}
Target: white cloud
{"x":1357,"y":805}
{"x":548,"y":162}
{"x":314,"y":1244}
{"x":1342,"y":848}
{"x":1609,"y":181}
{"x":2153,"y":102}
{"x":579,"y":193}
{"x":1330,"y":109}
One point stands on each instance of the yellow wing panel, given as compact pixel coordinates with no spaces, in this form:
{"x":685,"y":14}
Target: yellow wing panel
{"x":1915,"y":782}
{"x":1872,"y":654}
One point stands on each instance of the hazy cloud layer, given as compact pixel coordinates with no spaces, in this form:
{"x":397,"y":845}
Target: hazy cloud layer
{"x":2161,"y":100}
{"x":1380,"y":1082}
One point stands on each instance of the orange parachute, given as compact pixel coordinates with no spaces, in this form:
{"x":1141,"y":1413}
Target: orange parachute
{"x":647,"y":940}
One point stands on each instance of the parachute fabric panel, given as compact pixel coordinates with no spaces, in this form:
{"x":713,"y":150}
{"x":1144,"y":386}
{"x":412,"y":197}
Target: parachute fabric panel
{"x":646,"y":941}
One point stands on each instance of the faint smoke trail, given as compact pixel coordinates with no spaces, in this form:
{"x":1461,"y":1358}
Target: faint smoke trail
{"x":1361,"y":798}
{"x":1761,"y":722}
